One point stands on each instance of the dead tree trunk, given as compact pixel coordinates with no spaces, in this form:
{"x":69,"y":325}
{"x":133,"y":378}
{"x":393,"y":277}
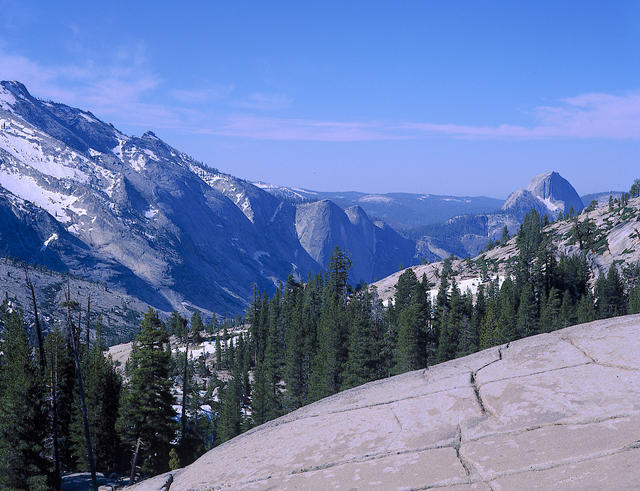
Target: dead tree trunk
{"x":54,"y":418}
{"x":83,"y":406}
{"x":134,"y":461}
{"x":88,"y":320}
{"x":78,"y":331}
{"x":43,"y":362}
{"x":185,"y":373}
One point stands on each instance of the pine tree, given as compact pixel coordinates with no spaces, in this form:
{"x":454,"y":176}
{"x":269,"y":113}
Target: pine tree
{"x":310,"y":315}
{"x":338,"y":270}
{"x":610,"y":295}
{"x":566,"y":315}
{"x":260,"y":396}
{"x":550,"y":311}
{"x":505,"y":236}
{"x":508,"y":308}
{"x":440,"y":310}
{"x":267,"y":398}
{"x":634,"y":300}
{"x":326,"y":365}
{"x":62,"y":380}
{"x":212,"y":326}
{"x":102,"y":387}
{"x":410,"y":314}
{"x":527,"y":317}
{"x":363,"y":361}
{"x":174,"y":460}
{"x":294,"y":369}
{"x":218,"y":352}
{"x":451,"y":319}
{"x":490,"y":329}
{"x":23,"y":414}
{"x":528,"y":240}
{"x":146,"y":419}
{"x":479,"y":311}
{"x":585,"y":310}
{"x":229,"y":423}
{"x":468,"y":334}
{"x":197,"y":326}
{"x":406,"y":288}
{"x":176,"y":325}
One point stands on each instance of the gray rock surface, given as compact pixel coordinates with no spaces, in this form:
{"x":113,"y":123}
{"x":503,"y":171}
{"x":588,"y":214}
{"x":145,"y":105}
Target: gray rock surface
{"x":374,"y":248}
{"x":554,"y":411}
{"x":121,"y":313}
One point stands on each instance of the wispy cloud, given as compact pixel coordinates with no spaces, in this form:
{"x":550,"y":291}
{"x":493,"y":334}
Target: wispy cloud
{"x":594,"y":115}
{"x":264,"y":102}
{"x":201,"y":95}
{"x":301,"y":129}
{"x":126,"y":91}
{"x":586,"y":116}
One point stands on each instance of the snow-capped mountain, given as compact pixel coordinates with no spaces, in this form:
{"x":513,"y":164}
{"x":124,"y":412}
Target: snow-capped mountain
{"x":138,"y":214}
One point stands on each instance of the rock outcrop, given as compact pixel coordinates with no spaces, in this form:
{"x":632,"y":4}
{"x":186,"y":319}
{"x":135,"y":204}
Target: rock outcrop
{"x":554,"y":411}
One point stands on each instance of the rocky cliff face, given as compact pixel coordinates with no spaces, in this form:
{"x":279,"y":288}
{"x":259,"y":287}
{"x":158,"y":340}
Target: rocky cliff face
{"x":373,"y":247}
{"x":554,"y":411}
{"x":167,"y":232}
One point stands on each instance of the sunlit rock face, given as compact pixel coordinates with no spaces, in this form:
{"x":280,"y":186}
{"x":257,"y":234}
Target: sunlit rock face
{"x":548,"y":193}
{"x":554,"y":411}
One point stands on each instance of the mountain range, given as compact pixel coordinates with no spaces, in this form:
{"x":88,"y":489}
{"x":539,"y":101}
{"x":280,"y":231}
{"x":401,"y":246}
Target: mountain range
{"x":402,"y":211}
{"x":79,"y":196}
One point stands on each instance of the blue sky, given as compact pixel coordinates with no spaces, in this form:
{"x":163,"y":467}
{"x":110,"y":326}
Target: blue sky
{"x":435,"y":97}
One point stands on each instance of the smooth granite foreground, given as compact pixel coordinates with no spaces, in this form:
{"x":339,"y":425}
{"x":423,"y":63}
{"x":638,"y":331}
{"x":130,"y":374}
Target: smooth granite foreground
{"x":554,"y":411}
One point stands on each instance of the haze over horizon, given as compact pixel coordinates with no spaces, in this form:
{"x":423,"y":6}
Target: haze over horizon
{"x":456,"y":99}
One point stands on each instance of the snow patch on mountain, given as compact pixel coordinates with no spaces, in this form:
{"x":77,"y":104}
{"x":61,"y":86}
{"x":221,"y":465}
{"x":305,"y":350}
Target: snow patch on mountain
{"x":46,"y":243}
{"x":24,"y":144}
{"x":374,"y":198}
{"x":27,"y":188}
